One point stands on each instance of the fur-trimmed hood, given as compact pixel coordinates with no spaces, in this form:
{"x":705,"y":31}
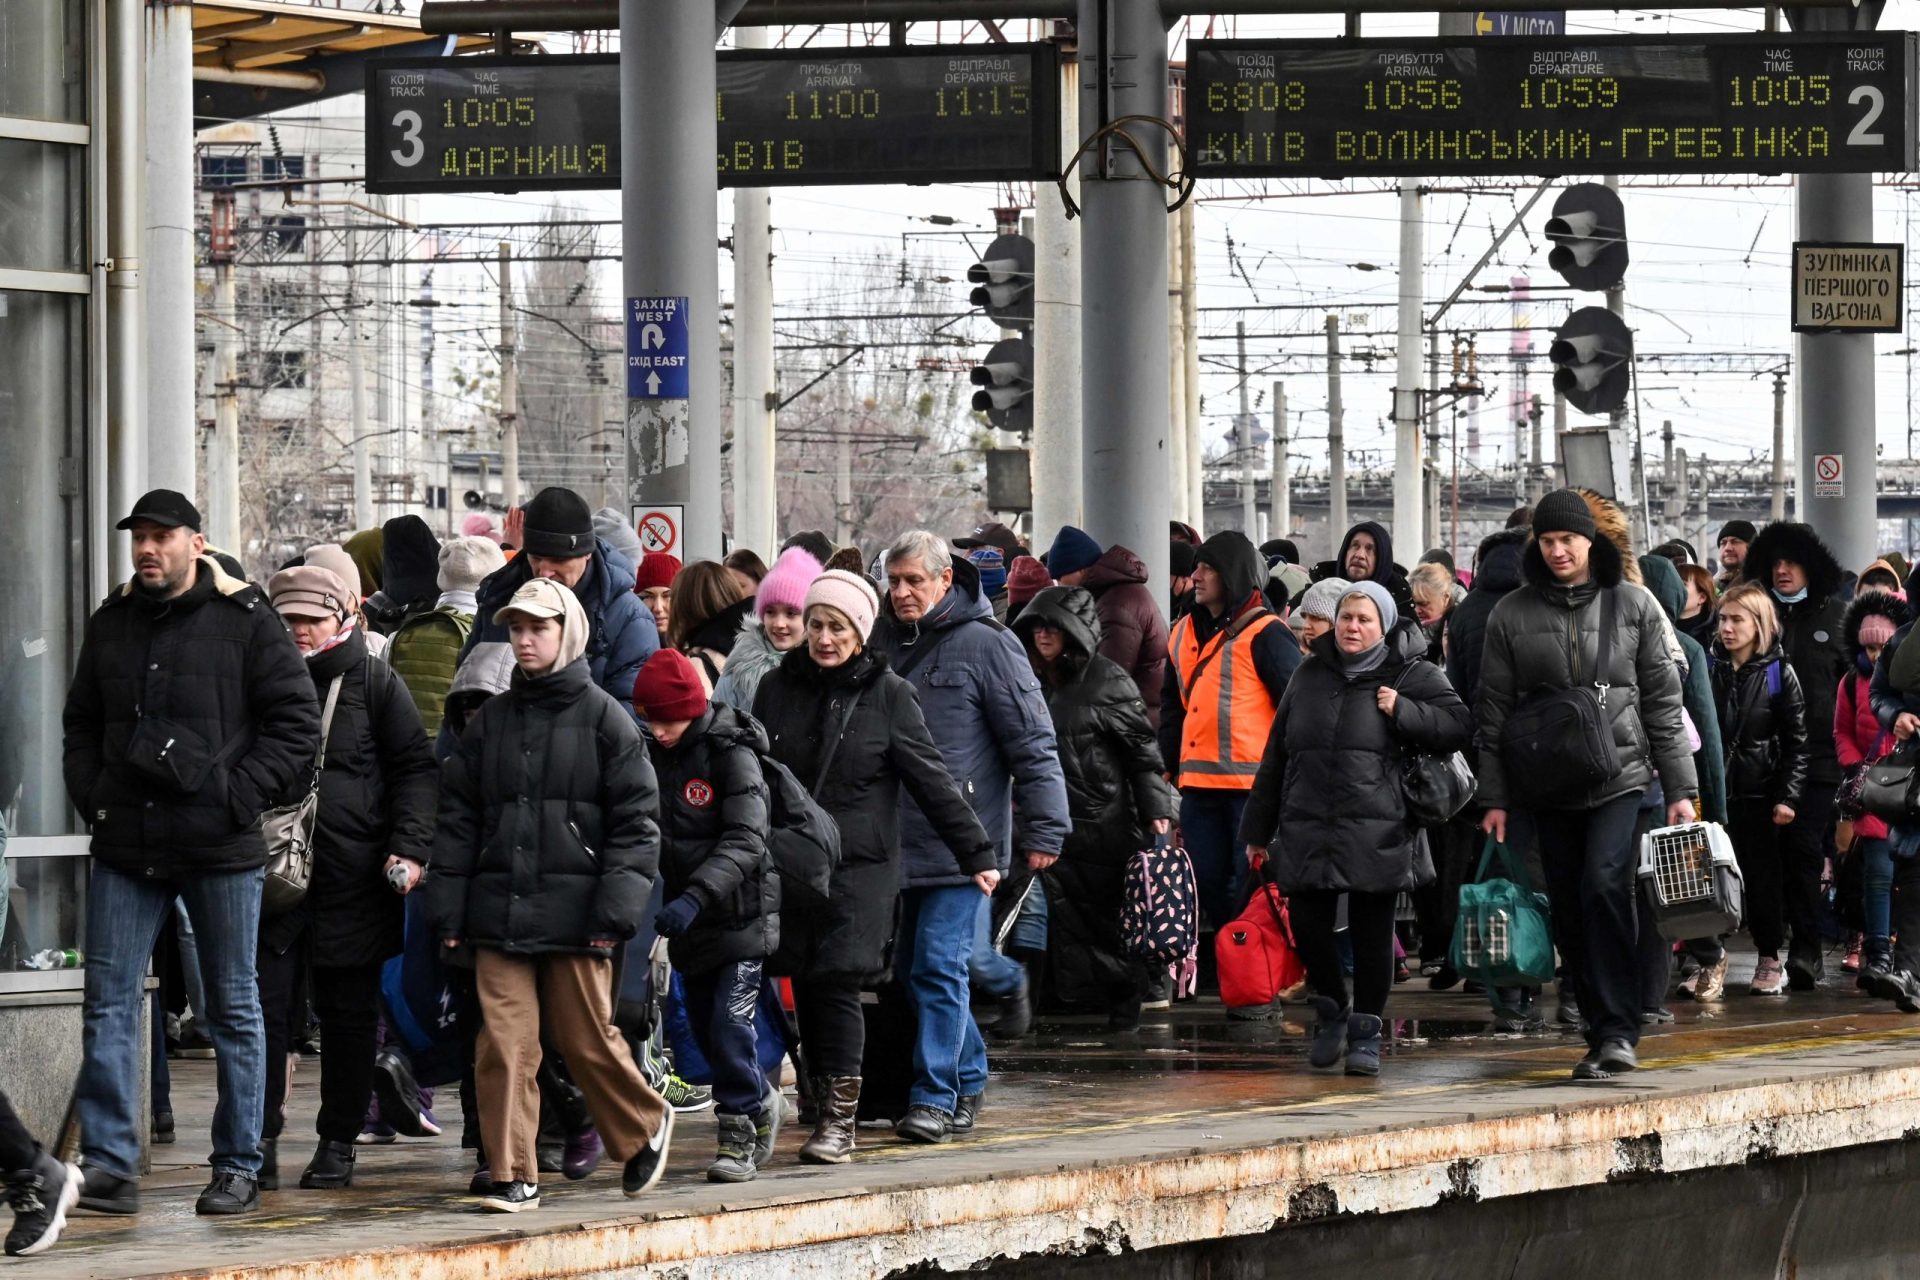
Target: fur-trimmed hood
{"x":1612,"y":559}
{"x":1496,"y":565}
{"x":1866,"y":605}
{"x":1790,"y":540}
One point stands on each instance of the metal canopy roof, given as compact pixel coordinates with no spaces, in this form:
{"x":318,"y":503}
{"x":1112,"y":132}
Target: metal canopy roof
{"x":251,"y":57}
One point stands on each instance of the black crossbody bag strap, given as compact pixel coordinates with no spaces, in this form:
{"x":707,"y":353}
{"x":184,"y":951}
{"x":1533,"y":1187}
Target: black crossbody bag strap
{"x":833,"y":743}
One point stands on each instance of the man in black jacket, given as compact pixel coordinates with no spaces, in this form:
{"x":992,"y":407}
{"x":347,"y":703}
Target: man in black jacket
{"x":191,"y":713}
{"x":1366,"y":555}
{"x":1804,"y":579}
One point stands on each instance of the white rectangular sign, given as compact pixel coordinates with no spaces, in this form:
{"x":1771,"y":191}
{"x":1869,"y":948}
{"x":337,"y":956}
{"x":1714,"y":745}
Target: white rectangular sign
{"x":1847,"y":288}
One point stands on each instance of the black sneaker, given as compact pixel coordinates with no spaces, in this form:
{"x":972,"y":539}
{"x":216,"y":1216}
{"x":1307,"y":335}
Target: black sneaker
{"x":1803,"y":974}
{"x":102,"y":1192}
{"x":1656,"y":1016}
{"x":269,"y":1164}
{"x":398,"y":1092}
{"x":511,"y":1197}
{"x":550,"y":1157}
{"x":1016,"y":1014}
{"x":163,"y":1132}
{"x":925,"y":1124}
{"x":482,"y":1182}
{"x":40,"y":1198}
{"x":331,"y":1167}
{"x":228,"y":1194}
{"x":965,"y":1112}
{"x":1900,"y":987}
{"x":642,"y":1173}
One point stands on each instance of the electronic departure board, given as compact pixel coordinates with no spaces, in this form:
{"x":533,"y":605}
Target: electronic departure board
{"x":1551,"y":105}
{"x":785,"y":118}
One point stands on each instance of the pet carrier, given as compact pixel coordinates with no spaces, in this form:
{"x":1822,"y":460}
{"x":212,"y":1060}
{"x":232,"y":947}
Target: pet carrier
{"x":1691,"y":880}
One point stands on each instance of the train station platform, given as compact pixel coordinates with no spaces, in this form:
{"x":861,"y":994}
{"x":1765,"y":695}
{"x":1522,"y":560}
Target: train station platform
{"x":1092,"y":1144}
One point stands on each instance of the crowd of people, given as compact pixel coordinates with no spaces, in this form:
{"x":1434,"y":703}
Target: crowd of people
{"x":642,"y":831}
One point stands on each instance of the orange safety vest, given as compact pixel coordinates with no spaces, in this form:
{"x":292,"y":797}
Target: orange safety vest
{"x":1229,"y":711}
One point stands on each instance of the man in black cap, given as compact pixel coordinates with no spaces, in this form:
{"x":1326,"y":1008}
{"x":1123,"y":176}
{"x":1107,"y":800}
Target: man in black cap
{"x":1735,"y":537}
{"x":191,"y":713}
{"x":559,"y":542}
{"x":994,"y":534}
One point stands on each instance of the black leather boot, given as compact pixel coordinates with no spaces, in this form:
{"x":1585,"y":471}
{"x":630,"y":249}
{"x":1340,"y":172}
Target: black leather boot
{"x":832,"y":1140}
{"x":330,"y":1168}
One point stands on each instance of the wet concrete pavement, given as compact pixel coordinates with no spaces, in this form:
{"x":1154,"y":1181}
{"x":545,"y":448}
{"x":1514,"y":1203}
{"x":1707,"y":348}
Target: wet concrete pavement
{"x":1188,"y":1084}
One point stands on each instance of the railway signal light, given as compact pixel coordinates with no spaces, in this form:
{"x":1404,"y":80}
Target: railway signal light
{"x":1005,"y":382}
{"x":1589,"y":233}
{"x":1592,"y":355}
{"x":1003,"y":282}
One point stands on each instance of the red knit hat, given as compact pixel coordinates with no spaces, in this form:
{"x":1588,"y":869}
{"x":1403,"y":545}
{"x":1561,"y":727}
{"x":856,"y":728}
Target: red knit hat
{"x":668,"y":688}
{"x":1026,"y":578}
{"x":657,"y":569}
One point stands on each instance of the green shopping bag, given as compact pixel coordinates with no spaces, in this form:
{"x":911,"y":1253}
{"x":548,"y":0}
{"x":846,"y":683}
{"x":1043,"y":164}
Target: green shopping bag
{"x":1502,"y":938}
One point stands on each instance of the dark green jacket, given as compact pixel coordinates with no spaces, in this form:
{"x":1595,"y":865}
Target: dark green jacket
{"x":1696,"y":688}
{"x":425,"y":653}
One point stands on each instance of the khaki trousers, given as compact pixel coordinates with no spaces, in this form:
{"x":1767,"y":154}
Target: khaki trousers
{"x":574,"y":994}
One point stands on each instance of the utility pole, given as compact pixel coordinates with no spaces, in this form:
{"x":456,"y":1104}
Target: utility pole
{"x":1177,"y":456}
{"x":358,"y":443}
{"x":1336,"y":439}
{"x":755,"y":379}
{"x":1536,"y":461}
{"x":1243,"y":438}
{"x":224,"y":528}
{"x":1409,"y":501}
{"x":1190,"y":334}
{"x":1779,"y":511}
{"x":172,"y":411}
{"x":1123,"y":73}
{"x":1559,"y":440}
{"x":1280,"y":497}
{"x":1430,"y":412}
{"x":509,"y":385}
{"x":1058,"y":449}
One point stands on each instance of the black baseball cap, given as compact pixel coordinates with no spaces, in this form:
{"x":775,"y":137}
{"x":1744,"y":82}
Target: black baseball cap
{"x":164,"y":507}
{"x":992,"y":535}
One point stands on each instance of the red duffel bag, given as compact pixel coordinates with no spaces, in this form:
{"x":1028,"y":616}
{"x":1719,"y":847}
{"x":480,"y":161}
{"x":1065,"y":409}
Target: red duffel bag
{"x":1255,"y":952}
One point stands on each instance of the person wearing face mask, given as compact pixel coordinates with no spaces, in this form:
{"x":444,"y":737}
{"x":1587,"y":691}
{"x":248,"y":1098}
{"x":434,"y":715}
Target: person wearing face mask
{"x":1329,"y":808}
{"x":190,"y":714}
{"x":852,"y":731}
{"x":546,"y":847}
{"x":1803,"y":577}
{"x":375,"y":820}
{"x":772,"y":630}
{"x":1547,"y":636}
{"x":1764,"y":726}
{"x":1859,"y":740}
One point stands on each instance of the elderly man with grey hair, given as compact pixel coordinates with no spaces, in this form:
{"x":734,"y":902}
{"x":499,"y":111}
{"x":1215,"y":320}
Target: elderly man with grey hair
{"x":989,"y":718}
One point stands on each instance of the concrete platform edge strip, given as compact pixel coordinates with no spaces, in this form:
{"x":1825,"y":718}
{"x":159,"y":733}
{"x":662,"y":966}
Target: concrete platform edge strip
{"x":1180,"y":1198}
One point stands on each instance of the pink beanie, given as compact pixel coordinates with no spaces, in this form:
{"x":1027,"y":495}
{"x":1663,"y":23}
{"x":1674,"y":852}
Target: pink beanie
{"x":1876,"y":629}
{"x":850,"y":594}
{"x":787,"y":582}
{"x":479,"y":525}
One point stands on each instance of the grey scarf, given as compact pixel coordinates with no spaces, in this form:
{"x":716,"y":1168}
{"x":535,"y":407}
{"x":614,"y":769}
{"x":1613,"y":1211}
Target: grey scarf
{"x":1355,"y":665}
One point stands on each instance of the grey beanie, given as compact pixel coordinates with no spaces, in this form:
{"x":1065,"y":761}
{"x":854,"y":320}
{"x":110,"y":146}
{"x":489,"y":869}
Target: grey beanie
{"x":612,"y":527}
{"x":1322,"y":599}
{"x":467,"y":562}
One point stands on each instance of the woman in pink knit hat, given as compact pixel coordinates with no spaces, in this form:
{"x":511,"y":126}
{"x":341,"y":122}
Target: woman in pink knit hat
{"x":771,"y":631}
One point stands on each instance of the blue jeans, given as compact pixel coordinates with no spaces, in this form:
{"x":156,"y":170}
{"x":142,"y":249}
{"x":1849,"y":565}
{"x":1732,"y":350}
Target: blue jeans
{"x":124,"y":917}
{"x":993,"y":973}
{"x":1210,"y":824}
{"x":937,"y":928}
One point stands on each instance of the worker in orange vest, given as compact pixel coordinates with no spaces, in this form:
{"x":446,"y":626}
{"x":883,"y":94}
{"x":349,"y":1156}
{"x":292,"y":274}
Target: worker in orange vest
{"x":1230,"y":659}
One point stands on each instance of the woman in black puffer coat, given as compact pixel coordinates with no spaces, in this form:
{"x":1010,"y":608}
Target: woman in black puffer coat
{"x":1330,"y":803}
{"x":835,"y":689}
{"x":376,"y":809}
{"x":1116,"y":796}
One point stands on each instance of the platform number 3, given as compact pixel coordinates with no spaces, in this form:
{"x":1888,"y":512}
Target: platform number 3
{"x":1864,"y":134}
{"x":408,"y":122}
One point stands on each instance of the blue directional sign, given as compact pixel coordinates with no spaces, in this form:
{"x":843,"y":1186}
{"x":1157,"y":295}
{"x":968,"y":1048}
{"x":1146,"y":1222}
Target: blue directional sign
{"x":1520,"y":22}
{"x":657,"y":349}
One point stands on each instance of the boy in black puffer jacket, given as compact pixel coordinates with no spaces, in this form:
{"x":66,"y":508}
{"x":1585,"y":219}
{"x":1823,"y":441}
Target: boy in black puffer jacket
{"x":722,"y":898}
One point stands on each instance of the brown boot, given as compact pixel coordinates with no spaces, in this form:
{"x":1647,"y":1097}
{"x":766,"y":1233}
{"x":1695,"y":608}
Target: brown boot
{"x":832,"y":1140}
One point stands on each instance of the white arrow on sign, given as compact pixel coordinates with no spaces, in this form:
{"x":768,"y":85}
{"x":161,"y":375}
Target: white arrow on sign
{"x":653,"y":384}
{"x":652,"y":336}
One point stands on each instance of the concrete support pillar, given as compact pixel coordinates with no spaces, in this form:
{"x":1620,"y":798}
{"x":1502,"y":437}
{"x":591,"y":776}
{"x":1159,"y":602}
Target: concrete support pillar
{"x":1057,"y":422}
{"x":171,"y":421}
{"x":126,"y":356}
{"x":1409,"y":498}
{"x":755,"y":383}
{"x":1177,"y":460}
{"x":1190,"y":334}
{"x":668,"y":138}
{"x":1835,"y":388}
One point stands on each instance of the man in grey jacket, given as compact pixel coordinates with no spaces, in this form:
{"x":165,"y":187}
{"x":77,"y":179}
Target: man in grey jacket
{"x":989,"y":719}
{"x":1546,"y":635}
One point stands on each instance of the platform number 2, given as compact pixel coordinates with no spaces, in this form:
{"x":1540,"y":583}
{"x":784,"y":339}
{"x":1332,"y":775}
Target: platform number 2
{"x":1864,"y":134}
{"x":408,"y":122}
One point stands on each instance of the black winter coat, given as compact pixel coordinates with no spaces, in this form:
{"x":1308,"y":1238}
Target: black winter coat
{"x":1328,"y":801}
{"x":1764,"y":735}
{"x":714,"y":816}
{"x":377,"y":797}
{"x":547,"y":839}
{"x":1496,"y":573}
{"x":216,"y":670}
{"x":884,"y":745}
{"x":1115,"y":792}
{"x":1812,"y":633}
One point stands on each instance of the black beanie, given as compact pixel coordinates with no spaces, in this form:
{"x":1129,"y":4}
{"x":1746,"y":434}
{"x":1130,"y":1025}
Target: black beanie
{"x":1741,"y":529}
{"x":1564,"y":511}
{"x":559,"y":524}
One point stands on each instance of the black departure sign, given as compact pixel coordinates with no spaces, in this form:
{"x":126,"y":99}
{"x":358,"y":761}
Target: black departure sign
{"x":1551,"y":105}
{"x":785,"y":118}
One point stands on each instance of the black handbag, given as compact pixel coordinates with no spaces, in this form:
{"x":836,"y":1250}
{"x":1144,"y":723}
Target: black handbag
{"x":1558,"y":743}
{"x":1437,"y":787}
{"x":1890,"y":787}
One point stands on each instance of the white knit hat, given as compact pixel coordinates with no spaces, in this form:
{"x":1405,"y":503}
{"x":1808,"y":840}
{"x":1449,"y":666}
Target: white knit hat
{"x":466,"y":562}
{"x":850,"y":594}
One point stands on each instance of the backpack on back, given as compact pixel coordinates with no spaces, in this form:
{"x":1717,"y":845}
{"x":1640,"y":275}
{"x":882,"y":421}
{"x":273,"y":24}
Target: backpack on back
{"x":802,"y":837}
{"x":1160,"y":911}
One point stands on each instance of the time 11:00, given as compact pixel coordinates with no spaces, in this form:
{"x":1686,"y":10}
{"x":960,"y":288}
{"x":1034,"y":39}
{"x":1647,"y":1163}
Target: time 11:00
{"x":864,"y":104}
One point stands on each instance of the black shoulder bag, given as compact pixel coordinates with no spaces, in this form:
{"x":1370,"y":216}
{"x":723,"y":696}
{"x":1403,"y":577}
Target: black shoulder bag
{"x":1436,"y":787}
{"x":1558,"y":743}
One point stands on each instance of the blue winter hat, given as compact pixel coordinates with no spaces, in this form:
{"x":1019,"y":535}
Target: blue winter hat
{"x":992,"y":564}
{"x":1073,"y":550}
{"x":1382,"y":599}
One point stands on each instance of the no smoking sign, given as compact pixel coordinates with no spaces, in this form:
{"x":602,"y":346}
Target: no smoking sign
{"x":1829,"y":476}
{"x":659,"y":528}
